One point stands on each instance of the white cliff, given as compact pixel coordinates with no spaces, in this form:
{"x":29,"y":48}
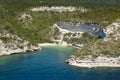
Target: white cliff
{"x":59,"y":9}
{"x":63,"y":34}
{"x":101,"y":61}
{"x":10,"y":44}
{"x":102,"y":53}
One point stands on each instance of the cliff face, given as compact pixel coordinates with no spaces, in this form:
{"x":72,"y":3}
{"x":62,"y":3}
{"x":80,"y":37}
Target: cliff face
{"x":105,"y":48}
{"x":101,"y":52}
{"x":10,"y":44}
{"x":108,"y":46}
{"x":68,"y":37}
{"x":65,"y":38}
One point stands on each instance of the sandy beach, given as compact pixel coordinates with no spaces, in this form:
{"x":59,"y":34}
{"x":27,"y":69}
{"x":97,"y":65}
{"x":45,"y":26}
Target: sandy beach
{"x":51,"y":44}
{"x":47,"y":44}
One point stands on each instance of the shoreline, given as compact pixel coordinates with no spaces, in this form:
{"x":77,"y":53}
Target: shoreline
{"x":50,"y":44}
{"x":46,"y":44}
{"x":100,"y":62}
{"x":20,"y":51}
{"x":88,"y":66}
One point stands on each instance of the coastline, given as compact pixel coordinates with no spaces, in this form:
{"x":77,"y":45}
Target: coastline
{"x":26,"y":49}
{"x":100,"y":62}
{"x":46,"y":44}
{"x":50,"y":44}
{"x":18,"y":51}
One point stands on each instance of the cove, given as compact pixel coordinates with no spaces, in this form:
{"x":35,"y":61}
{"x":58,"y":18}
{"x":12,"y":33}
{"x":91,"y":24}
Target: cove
{"x":49,"y":64}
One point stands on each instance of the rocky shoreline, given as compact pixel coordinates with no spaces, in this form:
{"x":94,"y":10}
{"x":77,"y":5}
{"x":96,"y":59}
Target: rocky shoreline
{"x":94,"y":63}
{"x":104,"y":53}
{"x":12,"y":44}
{"x":16,"y":51}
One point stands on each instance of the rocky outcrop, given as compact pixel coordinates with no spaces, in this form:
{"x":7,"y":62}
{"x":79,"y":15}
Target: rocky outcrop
{"x":59,"y":9}
{"x":25,"y":19}
{"x":75,"y":34}
{"x":89,"y":62}
{"x":65,"y":37}
{"x":11,"y":44}
{"x":102,"y":52}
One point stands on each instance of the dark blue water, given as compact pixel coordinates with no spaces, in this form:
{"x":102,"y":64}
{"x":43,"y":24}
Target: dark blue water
{"x":49,"y":64}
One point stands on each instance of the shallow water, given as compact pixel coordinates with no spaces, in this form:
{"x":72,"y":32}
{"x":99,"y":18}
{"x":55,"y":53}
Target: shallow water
{"x":49,"y":64}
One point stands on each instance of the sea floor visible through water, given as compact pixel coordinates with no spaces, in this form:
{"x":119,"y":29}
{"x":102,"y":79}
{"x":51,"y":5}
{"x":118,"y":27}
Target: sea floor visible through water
{"x":49,"y":64}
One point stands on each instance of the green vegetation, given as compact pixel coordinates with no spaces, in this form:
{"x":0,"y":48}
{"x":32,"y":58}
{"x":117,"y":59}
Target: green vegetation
{"x":5,"y":39}
{"x":55,"y":33}
{"x":75,"y":38}
{"x":37,"y":30}
{"x":100,"y":47}
{"x":91,"y":4}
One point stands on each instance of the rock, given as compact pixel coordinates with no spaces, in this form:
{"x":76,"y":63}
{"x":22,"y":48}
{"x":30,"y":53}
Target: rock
{"x":13,"y":46}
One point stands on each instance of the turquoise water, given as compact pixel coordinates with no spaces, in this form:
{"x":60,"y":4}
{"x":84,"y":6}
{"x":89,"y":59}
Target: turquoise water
{"x":49,"y":64}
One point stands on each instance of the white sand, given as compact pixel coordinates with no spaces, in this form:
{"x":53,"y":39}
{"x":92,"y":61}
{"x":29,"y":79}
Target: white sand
{"x":47,"y":44}
{"x":51,"y":44}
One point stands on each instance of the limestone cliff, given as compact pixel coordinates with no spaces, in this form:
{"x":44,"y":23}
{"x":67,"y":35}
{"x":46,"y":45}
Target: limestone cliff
{"x":10,"y":44}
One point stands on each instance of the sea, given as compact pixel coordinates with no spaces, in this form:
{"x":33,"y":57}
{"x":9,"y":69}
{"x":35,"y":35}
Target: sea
{"x":49,"y":64}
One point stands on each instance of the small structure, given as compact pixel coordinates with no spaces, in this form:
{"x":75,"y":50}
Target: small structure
{"x":80,"y":28}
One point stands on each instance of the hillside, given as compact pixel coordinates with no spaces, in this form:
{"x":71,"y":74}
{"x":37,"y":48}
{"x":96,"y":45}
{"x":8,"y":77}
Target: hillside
{"x":101,"y":52}
{"x":91,"y":4}
{"x":108,"y":46}
{"x":16,"y":17}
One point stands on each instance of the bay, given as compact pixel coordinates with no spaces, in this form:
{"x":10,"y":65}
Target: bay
{"x":49,"y":64}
